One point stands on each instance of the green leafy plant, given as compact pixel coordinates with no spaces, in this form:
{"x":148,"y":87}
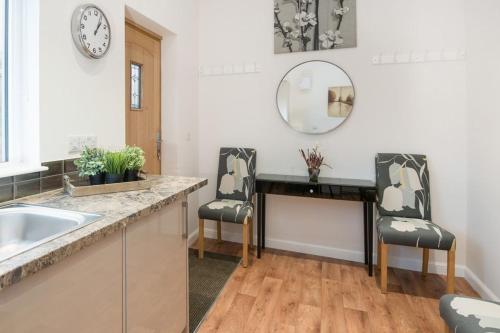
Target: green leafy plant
{"x":135,"y":158}
{"x":91,"y":162}
{"x":115,"y":163}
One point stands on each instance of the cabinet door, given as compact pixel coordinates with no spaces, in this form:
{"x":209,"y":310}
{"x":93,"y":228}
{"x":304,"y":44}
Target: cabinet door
{"x":156,"y":272}
{"x":82,"y":293}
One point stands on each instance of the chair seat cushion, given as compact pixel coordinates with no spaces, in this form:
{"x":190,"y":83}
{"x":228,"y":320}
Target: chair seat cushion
{"x":469,"y":315}
{"x":413,"y":232}
{"x":225,"y":210}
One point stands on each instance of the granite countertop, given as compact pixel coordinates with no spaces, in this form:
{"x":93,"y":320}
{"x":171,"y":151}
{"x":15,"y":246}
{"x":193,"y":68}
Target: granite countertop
{"x":118,"y":210}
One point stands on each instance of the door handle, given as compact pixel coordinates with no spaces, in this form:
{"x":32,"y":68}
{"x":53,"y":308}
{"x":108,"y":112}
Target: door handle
{"x":158,"y":145}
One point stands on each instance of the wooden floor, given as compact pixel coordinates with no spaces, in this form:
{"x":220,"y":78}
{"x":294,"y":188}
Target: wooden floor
{"x":288,"y":292}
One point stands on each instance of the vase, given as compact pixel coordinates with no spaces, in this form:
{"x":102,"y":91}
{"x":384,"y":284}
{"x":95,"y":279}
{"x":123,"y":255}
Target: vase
{"x":313,"y":174}
{"x":97,"y":179}
{"x":112,"y":178}
{"x":131,"y":175}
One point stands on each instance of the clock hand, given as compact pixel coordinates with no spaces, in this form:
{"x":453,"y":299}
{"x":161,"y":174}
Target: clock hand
{"x":98,"y":25}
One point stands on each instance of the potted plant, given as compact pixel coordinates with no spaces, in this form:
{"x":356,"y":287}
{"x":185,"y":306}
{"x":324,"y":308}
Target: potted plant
{"x":91,"y":164}
{"x":135,"y":161}
{"x":314,"y":161}
{"x":114,"y":165}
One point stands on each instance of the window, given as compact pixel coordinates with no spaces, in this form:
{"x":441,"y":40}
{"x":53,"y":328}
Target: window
{"x":3,"y":79}
{"x":135,"y":86}
{"x":19,"y":93}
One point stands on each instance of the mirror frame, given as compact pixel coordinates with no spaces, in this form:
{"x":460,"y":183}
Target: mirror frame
{"x":302,"y":63}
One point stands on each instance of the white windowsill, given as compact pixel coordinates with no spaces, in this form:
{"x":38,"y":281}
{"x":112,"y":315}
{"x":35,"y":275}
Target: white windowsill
{"x":9,"y":170}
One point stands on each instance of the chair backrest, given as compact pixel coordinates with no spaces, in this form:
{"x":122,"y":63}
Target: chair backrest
{"x":403,"y":186}
{"x":236,"y":177}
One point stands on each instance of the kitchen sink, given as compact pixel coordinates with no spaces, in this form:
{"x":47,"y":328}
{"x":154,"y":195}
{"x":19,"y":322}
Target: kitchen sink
{"x":23,"y":227}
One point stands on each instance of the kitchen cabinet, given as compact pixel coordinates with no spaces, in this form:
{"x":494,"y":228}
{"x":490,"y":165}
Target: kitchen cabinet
{"x":82,"y":293}
{"x":156,"y":272}
{"x":132,"y":281}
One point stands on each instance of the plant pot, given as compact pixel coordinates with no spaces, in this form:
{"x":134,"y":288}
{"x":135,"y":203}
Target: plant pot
{"x":97,"y":179}
{"x":113,"y":178}
{"x":131,"y":175}
{"x":313,"y":175}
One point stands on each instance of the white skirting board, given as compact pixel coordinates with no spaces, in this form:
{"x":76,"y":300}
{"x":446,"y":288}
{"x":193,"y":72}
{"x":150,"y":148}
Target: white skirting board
{"x":480,"y":286}
{"x":356,"y":256}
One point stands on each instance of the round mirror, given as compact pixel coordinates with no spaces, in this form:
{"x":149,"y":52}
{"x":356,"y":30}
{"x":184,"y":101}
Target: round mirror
{"x":315,"y":97}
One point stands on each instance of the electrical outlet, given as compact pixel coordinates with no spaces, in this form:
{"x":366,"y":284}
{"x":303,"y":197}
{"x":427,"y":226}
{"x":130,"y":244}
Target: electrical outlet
{"x":90,"y":141}
{"x":78,"y":142}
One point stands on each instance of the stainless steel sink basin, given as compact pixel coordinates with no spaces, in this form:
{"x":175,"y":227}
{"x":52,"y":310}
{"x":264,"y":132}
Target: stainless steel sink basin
{"x":23,"y":227}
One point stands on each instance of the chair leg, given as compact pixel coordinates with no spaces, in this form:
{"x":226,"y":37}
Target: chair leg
{"x":425,"y":262}
{"x":201,"y":238}
{"x":219,"y":232}
{"x":245,"y":244}
{"x":451,"y":271}
{"x":383,"y":267}
{"x":250,"y":232}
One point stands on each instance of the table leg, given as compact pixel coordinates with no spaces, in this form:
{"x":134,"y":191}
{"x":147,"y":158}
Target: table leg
{"x":365,"y":229}
{"x":259,"y":223}
{"x":370,"y":238}
{"x":263,"y":220}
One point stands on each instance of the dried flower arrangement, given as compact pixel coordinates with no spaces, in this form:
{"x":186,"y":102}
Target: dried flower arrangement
{"x":314,"y":161}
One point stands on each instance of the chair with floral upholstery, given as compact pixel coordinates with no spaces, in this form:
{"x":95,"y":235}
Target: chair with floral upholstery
{"x":404,"y":205}
{"x":234,"y":196}
{"x":469,"y":315}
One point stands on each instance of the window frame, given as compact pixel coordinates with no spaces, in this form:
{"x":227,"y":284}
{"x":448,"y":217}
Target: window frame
{"x":139,"y":84}
{"x":22,"y":88}
{"x":5,"y":87}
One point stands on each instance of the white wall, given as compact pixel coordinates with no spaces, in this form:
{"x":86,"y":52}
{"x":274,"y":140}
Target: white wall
{"x":416,"y":108}
{"x":80,"y":96}
{"x":483,"y":80}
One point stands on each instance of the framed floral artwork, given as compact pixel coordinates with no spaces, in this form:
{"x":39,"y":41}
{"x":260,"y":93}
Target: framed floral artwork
{"x":313,"y":25}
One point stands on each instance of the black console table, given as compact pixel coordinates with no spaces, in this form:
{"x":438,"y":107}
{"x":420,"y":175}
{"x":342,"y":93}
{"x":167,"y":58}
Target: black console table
{"x":326,"y":188}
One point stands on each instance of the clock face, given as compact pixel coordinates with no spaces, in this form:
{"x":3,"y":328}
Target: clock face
{"x":91,"y":31}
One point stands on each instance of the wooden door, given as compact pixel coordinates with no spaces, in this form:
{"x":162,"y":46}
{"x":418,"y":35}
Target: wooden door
{"x":143,"y":94}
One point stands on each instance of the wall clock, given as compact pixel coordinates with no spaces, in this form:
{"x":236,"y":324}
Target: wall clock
{"x":91,"y":31}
